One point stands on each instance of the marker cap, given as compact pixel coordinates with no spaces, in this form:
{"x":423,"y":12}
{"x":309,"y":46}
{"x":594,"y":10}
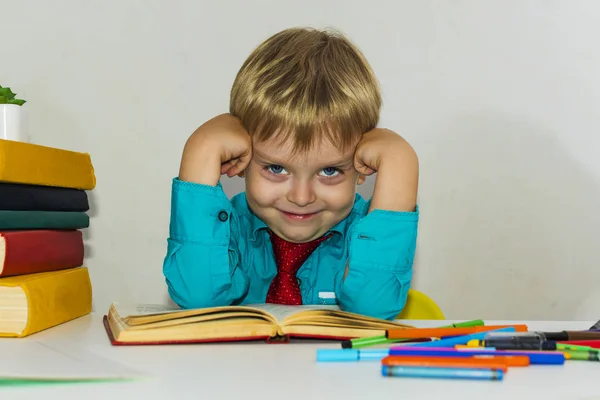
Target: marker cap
{"x":351,"y":354}
{"x":337,"y":355}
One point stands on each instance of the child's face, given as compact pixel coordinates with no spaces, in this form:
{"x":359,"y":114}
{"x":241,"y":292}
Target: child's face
{"x":301,"y":197}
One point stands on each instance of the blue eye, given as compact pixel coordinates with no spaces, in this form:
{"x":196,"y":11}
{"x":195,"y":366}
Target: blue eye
{"x":330,"y":171}
{"x":275,"y":169}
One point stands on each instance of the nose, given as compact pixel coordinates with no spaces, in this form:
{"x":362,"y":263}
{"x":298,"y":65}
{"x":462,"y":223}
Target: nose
{"x":301,"y":193}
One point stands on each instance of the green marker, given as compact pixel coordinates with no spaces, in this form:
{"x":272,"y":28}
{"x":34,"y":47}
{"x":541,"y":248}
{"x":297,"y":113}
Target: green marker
{"x":375,"y":340}
{"x":581,"y":355}
{"x":466,"y":324}
{"x":364,"y":342}
{"x":562,"y":346}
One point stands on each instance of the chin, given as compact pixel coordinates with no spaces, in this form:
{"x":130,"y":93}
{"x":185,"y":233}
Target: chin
{"x":299,"y":237}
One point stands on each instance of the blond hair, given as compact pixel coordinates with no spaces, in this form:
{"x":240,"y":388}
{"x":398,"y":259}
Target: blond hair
{"x":304,"y":82}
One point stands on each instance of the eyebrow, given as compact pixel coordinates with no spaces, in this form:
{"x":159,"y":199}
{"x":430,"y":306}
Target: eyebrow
{"x":340,"y":163}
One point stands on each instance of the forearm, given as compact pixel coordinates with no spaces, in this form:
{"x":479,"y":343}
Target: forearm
{"x":199,"y":163}
{"x":199,"y":275}
{"x":221,"y":145}
{"x":397,"y":181}
{"x":376,"y":293}
{"x":379,"y":269}
{"x":202,"y":264}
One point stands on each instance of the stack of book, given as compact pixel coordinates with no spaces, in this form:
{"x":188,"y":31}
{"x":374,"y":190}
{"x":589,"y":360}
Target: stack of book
{"x":43,"y":210}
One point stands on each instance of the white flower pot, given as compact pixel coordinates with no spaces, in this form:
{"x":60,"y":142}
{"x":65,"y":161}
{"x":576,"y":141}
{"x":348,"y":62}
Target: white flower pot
{"x":13,"y":123}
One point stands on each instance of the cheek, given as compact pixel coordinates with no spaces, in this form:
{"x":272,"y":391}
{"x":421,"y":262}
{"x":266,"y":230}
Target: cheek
{"x":339,"y":197}
{"x":260,"y":190}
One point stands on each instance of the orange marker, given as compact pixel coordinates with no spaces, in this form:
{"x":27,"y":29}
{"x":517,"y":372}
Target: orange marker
{"x":450,"y":362}
{"x":419,"y":333}
{"x":508,"y":361}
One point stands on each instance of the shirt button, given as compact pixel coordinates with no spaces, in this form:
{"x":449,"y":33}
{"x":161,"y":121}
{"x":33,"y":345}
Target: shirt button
{"x":223,"y":216}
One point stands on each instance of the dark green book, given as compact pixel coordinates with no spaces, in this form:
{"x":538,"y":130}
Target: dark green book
{"x":43,"y":220}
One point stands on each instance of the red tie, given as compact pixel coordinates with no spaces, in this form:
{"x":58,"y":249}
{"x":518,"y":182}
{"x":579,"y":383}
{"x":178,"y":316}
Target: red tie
{"x":289,"y":256}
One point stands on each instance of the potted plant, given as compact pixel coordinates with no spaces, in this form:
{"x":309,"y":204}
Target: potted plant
{"x":12,"y":116}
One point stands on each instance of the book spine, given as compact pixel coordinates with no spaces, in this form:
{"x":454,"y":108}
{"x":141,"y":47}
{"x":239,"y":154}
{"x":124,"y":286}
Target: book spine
{"x":43,"y":220}
{"x":33,"y":164}
{"x":54,"y":298}
{"x":23,"y":197}
{"x":28,"y":252}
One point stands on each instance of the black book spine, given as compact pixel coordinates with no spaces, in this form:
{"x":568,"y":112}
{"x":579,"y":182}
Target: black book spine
{"x":21,"y":197}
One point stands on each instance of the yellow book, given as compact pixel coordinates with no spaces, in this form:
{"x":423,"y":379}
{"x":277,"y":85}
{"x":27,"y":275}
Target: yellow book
{"x":34,"y":302}
{"x":157,"y":324}
{"x":33,"y":164}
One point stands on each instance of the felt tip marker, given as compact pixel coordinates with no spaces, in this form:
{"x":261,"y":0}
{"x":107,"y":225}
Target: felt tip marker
{"x":535,"y":357}
{"x":572,"y":335}
{"x":502,"y":362}
{"x":594,"y":344}
{"x":341,"y":355}
{"x":515,"y":341}
{"x":581,"y":355}
{"x":446,"y":332}
{"x":563,"y":346}
{"x":443,"y":373}
{"x":383,"y":339}
{"x":453,"y":341}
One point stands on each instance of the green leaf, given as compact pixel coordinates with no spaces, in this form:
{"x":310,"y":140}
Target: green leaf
{"x":6,"y":92}
{"x":3,"y":100}
{"x":18,"y":102}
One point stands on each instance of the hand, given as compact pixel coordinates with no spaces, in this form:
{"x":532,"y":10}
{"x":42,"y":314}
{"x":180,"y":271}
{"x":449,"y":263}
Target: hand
{"x":219,"y":146}
{"x":375,"y":147}
{"x":387,"y":153}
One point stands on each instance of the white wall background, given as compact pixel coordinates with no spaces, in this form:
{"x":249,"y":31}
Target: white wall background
{"x":501,"y":100}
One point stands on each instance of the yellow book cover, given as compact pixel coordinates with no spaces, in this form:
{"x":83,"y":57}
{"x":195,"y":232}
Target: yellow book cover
{"x":33,"y":164}
{"x":34,"y":302}
{"x":156,"y":324}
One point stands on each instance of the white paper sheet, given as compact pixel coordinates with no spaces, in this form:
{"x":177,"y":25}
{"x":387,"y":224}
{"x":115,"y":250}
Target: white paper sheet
{"x":27,"y":359}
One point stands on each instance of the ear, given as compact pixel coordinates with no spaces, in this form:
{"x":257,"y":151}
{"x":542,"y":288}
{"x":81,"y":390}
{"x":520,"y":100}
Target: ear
{"x":361,"y":179}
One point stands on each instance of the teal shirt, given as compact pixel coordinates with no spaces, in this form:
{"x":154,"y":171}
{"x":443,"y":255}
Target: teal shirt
{"x":219,"y":253}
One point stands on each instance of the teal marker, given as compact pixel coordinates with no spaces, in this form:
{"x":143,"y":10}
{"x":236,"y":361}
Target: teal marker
{"x":445,"y":373}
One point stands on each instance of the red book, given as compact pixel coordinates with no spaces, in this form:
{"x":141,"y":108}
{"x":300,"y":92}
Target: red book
{"x":31,"y":251}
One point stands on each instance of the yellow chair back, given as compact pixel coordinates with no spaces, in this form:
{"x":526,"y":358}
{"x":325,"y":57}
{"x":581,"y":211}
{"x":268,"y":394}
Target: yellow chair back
{"x":420,"y":306}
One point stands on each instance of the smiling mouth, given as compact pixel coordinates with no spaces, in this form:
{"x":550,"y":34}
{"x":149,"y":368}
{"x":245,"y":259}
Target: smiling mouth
{"x":298,"y":217}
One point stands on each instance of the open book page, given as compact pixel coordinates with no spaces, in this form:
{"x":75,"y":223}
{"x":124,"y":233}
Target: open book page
{"x":150,"y":314}
{"x":144,"y":309}
{"x":281,"y":312}
{"x":324,"y":315}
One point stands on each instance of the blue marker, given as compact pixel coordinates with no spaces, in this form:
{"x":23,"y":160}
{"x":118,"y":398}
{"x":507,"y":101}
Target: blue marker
{"x":535,"y":357}
{"x":447,"y":373}
{"x":452,"y":341}
{"x":353,"y":355}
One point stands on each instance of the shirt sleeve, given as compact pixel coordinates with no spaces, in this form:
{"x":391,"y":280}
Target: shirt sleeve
{"x":202,"y":264}
{"x":381,"y":252}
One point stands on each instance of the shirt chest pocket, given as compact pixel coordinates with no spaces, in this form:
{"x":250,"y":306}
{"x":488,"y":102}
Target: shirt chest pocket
{"x":325,"y":297}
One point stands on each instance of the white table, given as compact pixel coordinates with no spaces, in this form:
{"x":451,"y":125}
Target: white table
{"x":289,"y":371}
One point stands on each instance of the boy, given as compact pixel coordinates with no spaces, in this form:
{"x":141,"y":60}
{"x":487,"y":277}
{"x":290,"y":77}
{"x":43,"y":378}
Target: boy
{"x":302,"y":132}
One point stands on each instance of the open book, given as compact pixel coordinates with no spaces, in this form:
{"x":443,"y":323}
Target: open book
{"x":157,"y":324}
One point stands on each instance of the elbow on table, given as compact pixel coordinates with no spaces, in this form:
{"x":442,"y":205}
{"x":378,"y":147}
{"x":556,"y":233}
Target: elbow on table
{"x":190,"y":299}
{"x":388,"y":311}
{"x":385,"y":302}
